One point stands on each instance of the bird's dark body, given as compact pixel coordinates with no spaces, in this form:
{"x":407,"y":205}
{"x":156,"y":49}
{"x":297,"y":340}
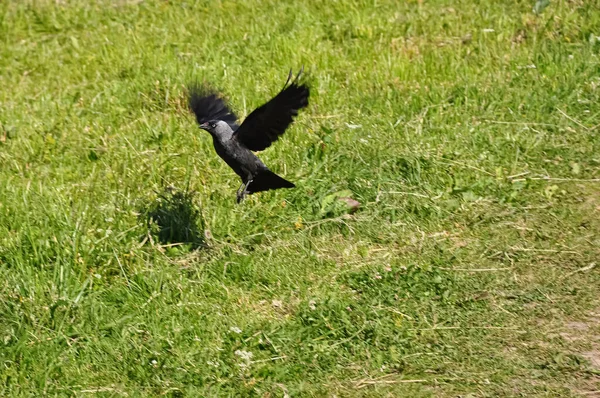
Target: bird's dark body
{"x":235,"y":144}
{"x":242,"y":160}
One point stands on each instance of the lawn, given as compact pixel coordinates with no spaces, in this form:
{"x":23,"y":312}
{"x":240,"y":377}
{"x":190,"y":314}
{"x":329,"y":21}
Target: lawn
{"x":468,"y":131}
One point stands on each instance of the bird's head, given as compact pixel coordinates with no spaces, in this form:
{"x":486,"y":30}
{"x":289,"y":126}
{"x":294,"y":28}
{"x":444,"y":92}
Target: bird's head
{"x":216,"y":127}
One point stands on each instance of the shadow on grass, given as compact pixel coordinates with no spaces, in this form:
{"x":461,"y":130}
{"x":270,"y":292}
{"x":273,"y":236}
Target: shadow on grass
{"x":173,"y":219}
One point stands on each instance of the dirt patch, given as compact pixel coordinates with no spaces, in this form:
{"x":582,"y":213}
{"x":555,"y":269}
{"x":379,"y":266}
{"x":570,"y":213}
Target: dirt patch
{"x":583,"y":337}
{"x":594,"y":358}
{"x":575,"y":331}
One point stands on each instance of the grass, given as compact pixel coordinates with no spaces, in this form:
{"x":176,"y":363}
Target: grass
{"x":468,"y":131}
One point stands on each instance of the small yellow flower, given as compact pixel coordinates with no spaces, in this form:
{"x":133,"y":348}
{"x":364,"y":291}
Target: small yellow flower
{"x":298,"y":224}
{"x":398,"y":321}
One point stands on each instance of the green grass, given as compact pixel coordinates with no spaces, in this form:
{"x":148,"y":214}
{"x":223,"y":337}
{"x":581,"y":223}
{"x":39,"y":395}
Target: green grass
{"x":126,"y":268}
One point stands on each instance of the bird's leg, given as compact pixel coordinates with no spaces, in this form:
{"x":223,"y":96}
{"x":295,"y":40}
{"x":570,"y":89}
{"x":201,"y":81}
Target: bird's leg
{"x":241,"y":193}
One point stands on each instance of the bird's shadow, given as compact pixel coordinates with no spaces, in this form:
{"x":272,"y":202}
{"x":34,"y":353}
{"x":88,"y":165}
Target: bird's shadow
{"x":172,"y":218}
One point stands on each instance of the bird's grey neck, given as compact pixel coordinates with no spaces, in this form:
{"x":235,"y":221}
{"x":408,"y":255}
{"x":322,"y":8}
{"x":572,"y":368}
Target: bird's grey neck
{"x":222,"y":135}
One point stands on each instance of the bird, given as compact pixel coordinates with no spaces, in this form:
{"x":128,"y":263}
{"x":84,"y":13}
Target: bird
{"x":236,"y":144}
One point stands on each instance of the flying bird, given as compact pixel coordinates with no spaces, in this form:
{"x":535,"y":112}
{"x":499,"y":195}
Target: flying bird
{"x":235,"y":143}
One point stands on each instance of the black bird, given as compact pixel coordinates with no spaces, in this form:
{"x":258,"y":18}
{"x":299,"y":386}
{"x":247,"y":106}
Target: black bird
{"x":259,"y":130}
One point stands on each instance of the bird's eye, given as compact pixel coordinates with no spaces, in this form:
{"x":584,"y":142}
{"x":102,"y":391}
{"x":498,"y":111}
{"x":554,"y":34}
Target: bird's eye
{"x":213,"y":125}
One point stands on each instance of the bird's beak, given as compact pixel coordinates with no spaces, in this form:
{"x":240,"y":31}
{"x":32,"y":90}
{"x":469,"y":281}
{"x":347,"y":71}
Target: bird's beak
{"x":204,"y":125}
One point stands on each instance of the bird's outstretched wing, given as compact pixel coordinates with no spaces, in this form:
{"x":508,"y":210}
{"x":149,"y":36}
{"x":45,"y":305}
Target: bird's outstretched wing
{"x":266,"y":123}
{"x":207,"y":105}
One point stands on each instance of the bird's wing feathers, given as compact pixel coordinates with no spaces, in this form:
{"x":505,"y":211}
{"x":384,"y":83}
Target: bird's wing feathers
{"x":207,"y":105}
{"x":266,"y":123}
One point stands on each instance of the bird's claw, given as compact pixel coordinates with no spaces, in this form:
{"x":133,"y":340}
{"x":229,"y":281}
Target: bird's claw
{"x":240,"y":196}
{"x":242,"y":192}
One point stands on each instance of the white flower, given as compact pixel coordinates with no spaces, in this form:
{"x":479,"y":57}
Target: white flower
{"x":245,"y":355}
{"x":353,"y":126}
{"x":276,"y":303}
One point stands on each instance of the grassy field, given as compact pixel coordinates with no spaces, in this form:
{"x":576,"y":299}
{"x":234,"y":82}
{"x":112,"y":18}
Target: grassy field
{"x":469,"y":131}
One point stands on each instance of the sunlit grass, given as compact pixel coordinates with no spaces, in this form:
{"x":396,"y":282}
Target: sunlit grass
{"x":468,"y":132}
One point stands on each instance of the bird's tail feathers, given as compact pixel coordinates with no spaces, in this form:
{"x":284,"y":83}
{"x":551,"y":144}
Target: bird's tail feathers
{"x":266,"y":180}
